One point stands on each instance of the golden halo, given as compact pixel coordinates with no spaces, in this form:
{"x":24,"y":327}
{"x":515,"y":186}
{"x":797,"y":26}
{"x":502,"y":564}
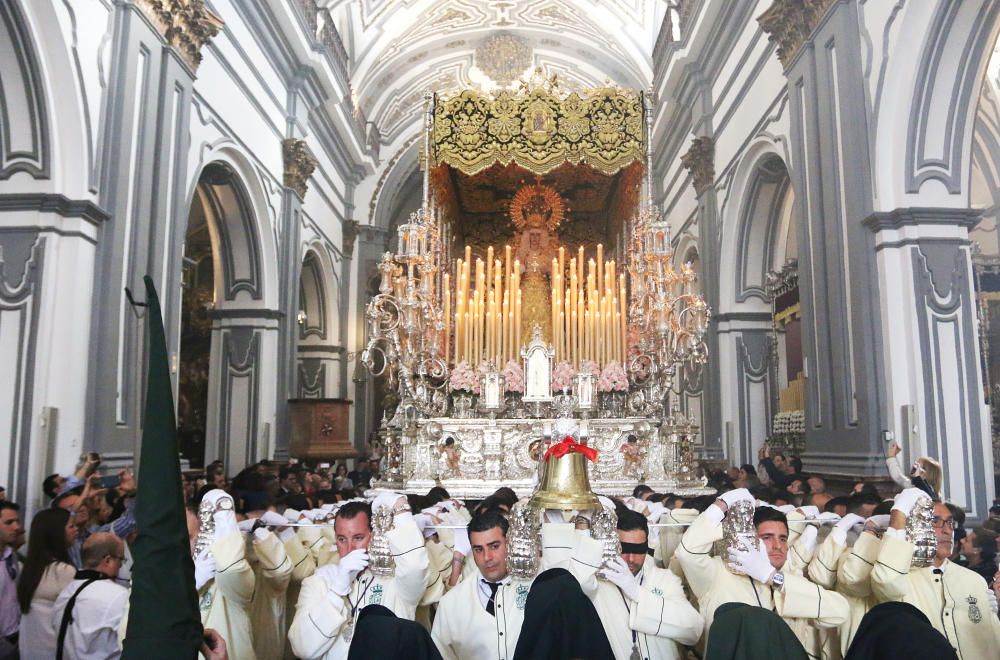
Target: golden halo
{"x":537,"y":204}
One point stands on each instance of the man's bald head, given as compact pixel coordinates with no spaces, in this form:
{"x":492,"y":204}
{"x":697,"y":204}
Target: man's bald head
{"x":103,"y":552}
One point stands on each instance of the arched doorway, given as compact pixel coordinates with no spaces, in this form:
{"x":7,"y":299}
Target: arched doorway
{"x":759,"y":317}
{"x":226,"y":332}
{"x":197,"y":299}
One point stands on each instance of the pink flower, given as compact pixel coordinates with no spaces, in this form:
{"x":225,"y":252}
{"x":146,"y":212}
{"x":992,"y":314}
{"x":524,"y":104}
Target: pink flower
{"x":562,"y":377}
{"x":513,"y":376}
{"x":589,"y":367}
{"x":463,"y":378}
{"x":612,"y":379}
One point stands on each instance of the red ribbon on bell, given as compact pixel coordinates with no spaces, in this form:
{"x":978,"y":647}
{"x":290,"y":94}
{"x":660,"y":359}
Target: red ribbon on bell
{"x":569,"y":445}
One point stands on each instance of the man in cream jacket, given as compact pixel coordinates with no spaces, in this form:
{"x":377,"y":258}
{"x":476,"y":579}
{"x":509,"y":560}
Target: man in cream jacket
{"x":643,"y":608}
{"x":481,"y":616}
{"x":955,"y":599}
{"x":758,"y":579}
{"x":331,"y":600}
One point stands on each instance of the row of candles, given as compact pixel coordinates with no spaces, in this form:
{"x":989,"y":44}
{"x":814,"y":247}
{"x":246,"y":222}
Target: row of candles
{"x":487,"y":309}
{"x":588,"y":319}
{"x":588,"y":311}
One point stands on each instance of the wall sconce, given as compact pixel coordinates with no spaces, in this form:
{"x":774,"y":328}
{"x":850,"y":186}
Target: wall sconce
{"x":301,"y":317}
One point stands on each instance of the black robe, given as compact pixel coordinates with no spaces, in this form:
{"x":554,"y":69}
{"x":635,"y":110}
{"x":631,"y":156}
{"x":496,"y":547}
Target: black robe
{"x":560,"y":622}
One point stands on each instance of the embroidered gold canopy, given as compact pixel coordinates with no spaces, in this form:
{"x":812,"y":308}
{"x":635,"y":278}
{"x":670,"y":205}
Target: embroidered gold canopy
{"x":539,"y":129}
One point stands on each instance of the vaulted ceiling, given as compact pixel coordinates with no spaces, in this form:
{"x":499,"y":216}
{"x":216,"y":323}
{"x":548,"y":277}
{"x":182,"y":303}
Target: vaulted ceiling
{"x":401,"y":49}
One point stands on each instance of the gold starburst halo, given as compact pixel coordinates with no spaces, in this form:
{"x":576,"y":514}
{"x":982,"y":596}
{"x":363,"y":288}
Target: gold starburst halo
{"x":537,"y":205}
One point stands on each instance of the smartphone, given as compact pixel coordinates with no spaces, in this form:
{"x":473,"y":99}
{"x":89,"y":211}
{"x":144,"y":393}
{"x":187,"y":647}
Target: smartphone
{"x":110,"y":481}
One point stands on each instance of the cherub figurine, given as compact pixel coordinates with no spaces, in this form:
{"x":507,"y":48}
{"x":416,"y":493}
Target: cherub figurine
{"x":632,"y":452}
{"x":450,"y":455}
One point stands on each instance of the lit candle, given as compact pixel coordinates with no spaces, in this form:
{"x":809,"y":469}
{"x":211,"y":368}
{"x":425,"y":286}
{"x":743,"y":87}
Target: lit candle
{"x":447,"y":316}
{"x":507,"y":355}
{"x":517,"y":323}
{"x":600,"y":264}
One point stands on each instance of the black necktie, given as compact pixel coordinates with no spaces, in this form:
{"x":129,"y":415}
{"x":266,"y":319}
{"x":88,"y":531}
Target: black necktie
{"x":490,"y":604}
{"x":11,"y":562}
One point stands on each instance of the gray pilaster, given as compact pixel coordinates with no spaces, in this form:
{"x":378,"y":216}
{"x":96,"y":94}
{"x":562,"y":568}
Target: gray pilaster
{"x":830,"y":173}
{"x":143,"y":154}
{"x":290,"y":269}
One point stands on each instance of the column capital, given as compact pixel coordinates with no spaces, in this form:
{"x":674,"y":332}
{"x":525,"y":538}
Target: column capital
{"x":299,"y":164}
{"x":351,"y":229}
{"x":186,"y":25}
{"x":700,"y":161}
{"x":789,"y":24}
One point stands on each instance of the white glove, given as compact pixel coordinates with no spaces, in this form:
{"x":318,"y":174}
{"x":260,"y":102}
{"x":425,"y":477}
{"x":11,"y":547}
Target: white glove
{"x":204,"y":569}
{"x":828,"y":516}
{"x":754,"y":563}
{"x":246,"y":526}
{"x":906,"y":500}
{"x":425,"y":524}
{"x":225,"y":524}
{"x":807,"y":539}
{"x":386,"y":499}
{"x":655,"y":510}
{"x":291,"y":515}
{"x":261,"y":533}
{"x":606,"y":502}
{"x":225,"y":520}
{"x":810,"y":512}
{"x":992,"y":597}
{"x":462,"y":543}
{"x":849,"y":521}
{"x":733,"y":496}
{"x":617,"y":573}
{"x":338,"y":577}
{"x":273,"y":519}
{"x":786,"y":508}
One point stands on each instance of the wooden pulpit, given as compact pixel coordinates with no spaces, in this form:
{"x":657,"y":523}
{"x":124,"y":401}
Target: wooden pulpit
{"x":320,"y":429}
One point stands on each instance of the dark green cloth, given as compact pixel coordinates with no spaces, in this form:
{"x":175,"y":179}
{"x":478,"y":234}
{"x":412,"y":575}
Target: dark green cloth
{"x":163,"y":619}
{"x":747,"y":632}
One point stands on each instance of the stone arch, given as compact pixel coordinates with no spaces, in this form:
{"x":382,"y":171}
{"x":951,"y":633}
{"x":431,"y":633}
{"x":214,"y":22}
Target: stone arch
{"x":319,"y":328}
{"x":755,"y":228}
{"x":401,"y":184}
{"x":242,"y":374}
{"x":48,"y":127}
{"x":925,"y":160}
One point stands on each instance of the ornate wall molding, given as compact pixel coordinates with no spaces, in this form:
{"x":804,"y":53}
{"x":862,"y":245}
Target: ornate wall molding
{"x":789,"y":23}
{"x":187,"y":25}
{"x":299,"y":164}
{"x":700,"y":161}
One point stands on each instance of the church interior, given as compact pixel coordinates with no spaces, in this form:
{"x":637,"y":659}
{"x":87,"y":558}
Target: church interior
{"x":426,"y":231}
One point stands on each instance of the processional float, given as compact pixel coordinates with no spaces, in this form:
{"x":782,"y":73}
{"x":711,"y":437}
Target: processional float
{"x":492,"y":354}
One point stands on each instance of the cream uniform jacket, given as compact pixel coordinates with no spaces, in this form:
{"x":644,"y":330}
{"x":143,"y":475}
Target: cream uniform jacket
{"x":322,"y":617}
{"x":272,"y":571}
{"x":657,"y":624}
{"x":303,"y":566}
{"x":713,"y":584}
{"x":955,"y":600}
{"x":464,"y":629}
{"x":225,"y":600}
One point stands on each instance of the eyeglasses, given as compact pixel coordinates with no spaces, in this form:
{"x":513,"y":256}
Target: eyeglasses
{"x":938,"y":521}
